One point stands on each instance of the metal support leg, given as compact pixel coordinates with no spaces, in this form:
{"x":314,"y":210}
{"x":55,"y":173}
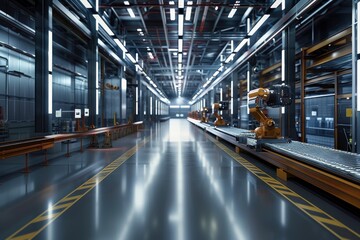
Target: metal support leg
{"x":26,"y":169}
{"x":46,"y":162}
{"x":68,"y":148}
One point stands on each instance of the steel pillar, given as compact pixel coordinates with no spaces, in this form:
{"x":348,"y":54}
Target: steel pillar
{"x":43,"y":24}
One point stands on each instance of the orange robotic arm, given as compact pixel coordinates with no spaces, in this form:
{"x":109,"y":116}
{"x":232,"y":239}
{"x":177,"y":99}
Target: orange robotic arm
{"x":277,"y":96}
{"x":219,"y":119}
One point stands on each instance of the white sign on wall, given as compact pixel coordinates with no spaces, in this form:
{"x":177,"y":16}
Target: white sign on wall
{"x":77,"y":113}
{"x":58,"y":113}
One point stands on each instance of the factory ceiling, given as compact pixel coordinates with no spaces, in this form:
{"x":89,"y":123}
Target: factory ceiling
{"x":182,"y":46}
{"x":211,"y":31}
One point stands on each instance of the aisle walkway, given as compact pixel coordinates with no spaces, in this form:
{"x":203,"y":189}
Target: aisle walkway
{"x":176,"y":184}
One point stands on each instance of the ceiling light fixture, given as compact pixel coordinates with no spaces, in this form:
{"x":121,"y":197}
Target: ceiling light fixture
{"x":121,"y":46}
{"x":180,"y":58}
{"x":230,"y":58}
{"x":103,"y":24}
{"x":172,"y":11}
{"x":181,"y":24}
{"x":234,"y":9}
{"x":131,"y":58}
{"x":180,"y":45}
{"x":259,"y":24}
{"x":130,"y":11}
{"x":276,"y":4}
{"x":188,"y":11}
{"x":151,"y":56}
{"x":241,"y":44}
{"x":181,"y":4}
{"x":86,"y":3}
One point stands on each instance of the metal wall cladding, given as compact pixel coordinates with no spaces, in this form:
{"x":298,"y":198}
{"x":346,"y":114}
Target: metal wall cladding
{"x":2,"y":83}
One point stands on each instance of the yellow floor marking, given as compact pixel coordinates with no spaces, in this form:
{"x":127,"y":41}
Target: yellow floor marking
{"x":61,"y":206}
{"x":46,"y":217}
{"x":286,"y":192}
{"x":311,"y":208}
{"x":26,"y":236}
{"x":95,"y":180}
{"x":68,"y":199}
{"x":329,"y":221}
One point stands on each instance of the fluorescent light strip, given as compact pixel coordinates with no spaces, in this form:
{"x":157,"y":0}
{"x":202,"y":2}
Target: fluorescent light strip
{"x":151,"y":55}
{"x":86,"y":3}
{"x":103,"y":24}
{"x":180,"y":58}
{"x":188,"y":11}
{"x":216,"y":73}
{"x":358,"y":28}
{"x":172,"y":14}
{"x":248,"y":90}
{"x":50,"y":93}
{"x":276,"y":4}
{"x":283,"y":65}
{"x":180,"y":45}
{"x":96,"y":88}
{"x":230,"y":58}
{"x":131,"y":12}
{"x":232,"y":13}
{"x":181,"y":25}
{"x":137,"y":100}
{"x":232,"y":98}
{"x":234,"y":9}
{"x":121,"y":46}
{"x":358,"y":85}
{"x":131,"y":58}
{"x":259,"y":24}
{"x":50,"y":52}
{"x":181,"y":4}
{"x":241,"y":44}
{"x":172,"y":11}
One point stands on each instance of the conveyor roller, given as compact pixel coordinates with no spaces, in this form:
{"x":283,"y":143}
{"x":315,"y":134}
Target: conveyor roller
{"x":344,"y":164}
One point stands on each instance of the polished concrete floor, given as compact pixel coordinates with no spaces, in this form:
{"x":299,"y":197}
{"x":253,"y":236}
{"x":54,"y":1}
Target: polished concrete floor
{"x":176,"y":184}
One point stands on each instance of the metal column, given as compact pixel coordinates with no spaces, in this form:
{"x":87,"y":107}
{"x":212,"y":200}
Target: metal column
{"x":355,"y":131}
{"x":43,"y":23}
{"x":234,"y":97}
{"x":288,"y":45}
{"x":93,"y":71}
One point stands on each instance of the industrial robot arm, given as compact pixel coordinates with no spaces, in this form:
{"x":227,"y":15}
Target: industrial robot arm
{"x":218,"y":107}
{"x":276,"y":96}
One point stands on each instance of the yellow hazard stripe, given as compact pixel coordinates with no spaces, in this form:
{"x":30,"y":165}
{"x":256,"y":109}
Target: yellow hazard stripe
{"x":331,"y":224}
{"x":55,"y":211}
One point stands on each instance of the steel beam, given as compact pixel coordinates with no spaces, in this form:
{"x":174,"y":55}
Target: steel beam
{"x":43,"y":23}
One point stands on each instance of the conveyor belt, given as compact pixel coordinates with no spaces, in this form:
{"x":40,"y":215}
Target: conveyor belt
{"x":341,"y":163}
{"x":236,"y":132}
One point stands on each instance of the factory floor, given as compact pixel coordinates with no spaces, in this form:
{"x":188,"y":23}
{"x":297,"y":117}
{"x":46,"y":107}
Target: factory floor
{"x":169,"y":181}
